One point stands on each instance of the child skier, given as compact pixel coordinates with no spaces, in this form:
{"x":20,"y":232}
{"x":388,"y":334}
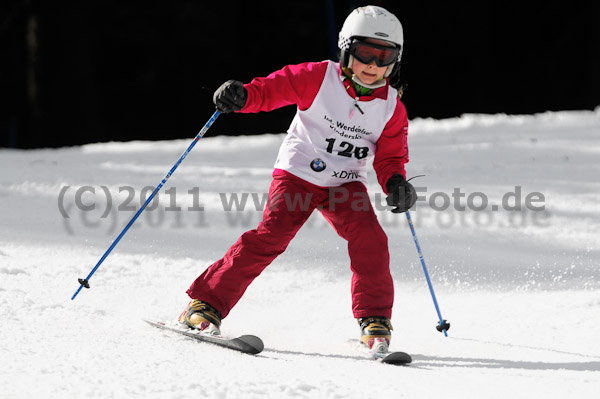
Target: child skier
{"x":347,"y":114}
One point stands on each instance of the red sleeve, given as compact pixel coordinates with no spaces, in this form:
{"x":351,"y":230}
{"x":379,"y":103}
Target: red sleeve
{"x":293,"y":84}
{"x":392,"y":147}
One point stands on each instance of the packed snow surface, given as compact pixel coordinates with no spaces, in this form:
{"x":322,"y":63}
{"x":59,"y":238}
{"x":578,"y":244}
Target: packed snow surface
{"x":508,"y":222}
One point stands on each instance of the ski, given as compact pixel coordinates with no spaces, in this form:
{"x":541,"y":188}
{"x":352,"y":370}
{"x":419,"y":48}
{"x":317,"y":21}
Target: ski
{"x":249,"y":344}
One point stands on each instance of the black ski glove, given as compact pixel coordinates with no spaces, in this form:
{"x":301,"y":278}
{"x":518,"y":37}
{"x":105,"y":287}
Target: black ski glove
{"x":401,"y":193}
{"x":230,"y":97}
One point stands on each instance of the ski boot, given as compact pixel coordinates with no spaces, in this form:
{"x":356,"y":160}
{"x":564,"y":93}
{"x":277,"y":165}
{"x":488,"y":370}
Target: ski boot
{"x":376,"y":333}
{"x":201,"y":316}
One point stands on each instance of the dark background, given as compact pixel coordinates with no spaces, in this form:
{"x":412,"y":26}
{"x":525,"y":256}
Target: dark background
{"x":74,"y":72}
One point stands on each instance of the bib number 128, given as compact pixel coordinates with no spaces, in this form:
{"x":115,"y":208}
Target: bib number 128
{"x":346,"y":149}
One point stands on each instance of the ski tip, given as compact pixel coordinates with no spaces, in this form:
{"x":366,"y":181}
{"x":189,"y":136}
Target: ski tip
{"x":398,"y":358}
{"x":255,"y":343}
{"x":154,"y":323}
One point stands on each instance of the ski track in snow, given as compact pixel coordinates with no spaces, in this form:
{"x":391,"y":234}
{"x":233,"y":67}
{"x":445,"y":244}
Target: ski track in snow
{"x":519,"y":288}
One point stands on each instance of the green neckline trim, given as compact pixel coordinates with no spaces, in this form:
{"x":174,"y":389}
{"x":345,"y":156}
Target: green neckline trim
{"x":360,"y":90}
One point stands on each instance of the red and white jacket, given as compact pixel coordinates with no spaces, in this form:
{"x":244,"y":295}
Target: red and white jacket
{"x":335,"y":134}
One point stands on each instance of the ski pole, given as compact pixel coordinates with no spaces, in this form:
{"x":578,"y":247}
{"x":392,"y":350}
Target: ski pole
{"x":85,"y":282}
{"x":443,"y":325}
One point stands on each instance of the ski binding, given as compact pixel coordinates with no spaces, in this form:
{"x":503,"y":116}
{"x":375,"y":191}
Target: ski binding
{"x":379,"y":352}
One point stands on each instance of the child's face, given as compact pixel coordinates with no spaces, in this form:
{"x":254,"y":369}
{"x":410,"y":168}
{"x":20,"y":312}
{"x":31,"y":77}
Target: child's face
{"x":369,"y":73}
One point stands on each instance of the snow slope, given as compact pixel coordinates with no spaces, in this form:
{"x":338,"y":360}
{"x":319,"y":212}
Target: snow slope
{"x":519,"y":287}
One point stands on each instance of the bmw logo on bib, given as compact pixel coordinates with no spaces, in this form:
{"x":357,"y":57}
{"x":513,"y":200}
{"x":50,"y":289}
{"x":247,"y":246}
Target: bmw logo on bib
{"x":318,"y":165}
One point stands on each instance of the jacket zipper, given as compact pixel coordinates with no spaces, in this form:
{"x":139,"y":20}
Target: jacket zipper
{"x":357,"y":107}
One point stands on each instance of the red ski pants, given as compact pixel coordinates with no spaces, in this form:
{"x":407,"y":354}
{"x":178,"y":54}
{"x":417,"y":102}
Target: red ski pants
{"x":291,"y":201}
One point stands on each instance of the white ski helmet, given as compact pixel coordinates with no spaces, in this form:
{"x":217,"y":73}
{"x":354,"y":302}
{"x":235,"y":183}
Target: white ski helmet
{"x":370,"y":22}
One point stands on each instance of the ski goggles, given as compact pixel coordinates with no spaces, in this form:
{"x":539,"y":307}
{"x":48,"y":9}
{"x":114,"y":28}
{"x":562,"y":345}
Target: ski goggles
{"x":368,"y":52}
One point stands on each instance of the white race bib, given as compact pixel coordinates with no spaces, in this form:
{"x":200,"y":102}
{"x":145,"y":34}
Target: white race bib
{"x":333,"y":142}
